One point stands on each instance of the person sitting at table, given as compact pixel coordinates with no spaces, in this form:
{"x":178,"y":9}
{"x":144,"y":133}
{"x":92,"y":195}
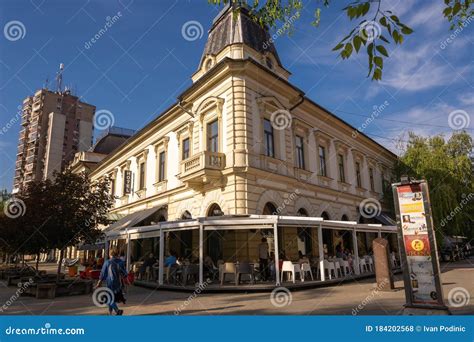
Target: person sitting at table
{"x":209,"y":268}
{"x":170,"y":261}
{"x":271,"y":266}
{"x":147,"y":264}
{"x":263,"y":256}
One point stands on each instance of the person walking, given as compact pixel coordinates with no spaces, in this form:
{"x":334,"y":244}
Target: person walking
{"x":113,"y":272}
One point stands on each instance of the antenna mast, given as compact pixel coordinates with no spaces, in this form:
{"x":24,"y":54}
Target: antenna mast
{"x":59,"y":78}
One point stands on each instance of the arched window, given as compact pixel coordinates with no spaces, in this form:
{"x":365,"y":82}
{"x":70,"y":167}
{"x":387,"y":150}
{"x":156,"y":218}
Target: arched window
{"x":325,"y":215}
{"x":302,"y":212}
{"x":186,"y":215}
{"x":215,"y":210}
{"x":344,"y":218}
{"x":269,"y":209}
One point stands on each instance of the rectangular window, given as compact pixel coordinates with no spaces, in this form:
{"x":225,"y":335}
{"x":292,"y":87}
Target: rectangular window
{"x":141,"y":184}
{"x":268,"y":136}
{"x":299,"y":152}
{"x":112,"y":186}
{"x":162,"y":167}
{"x":358,"y":176}
{"x":322,"y":161}
{"x":185,"y":153}
{"x":213,"y":136}
{"x":340,"y":161}
{"x":371,"y":176}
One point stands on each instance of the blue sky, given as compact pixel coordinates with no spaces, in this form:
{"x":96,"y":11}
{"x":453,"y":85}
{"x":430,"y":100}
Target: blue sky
{"x":140,"y":65}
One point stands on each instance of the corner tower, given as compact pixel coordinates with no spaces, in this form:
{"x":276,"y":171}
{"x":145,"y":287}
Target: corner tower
{"x":234,"y":34}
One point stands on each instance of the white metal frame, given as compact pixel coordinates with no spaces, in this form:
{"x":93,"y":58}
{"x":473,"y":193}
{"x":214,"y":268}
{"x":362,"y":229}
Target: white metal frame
{"x":244,"y":223}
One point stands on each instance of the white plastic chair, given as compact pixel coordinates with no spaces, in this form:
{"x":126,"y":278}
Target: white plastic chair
{"x":362,"y":265}
{"x":346,"y":269}
{"x":329,"y":266}
{"x":288,"y":266}
{"x":394,"y":260}
{"x":370,"y":263}
{"x":305,"y":267}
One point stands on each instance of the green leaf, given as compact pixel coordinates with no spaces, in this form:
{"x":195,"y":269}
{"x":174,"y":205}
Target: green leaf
{"x":377,"y":74}
{"x":382,"y":50}
{"x":395,"y":18}
{"x":378,"y":62}
{"x":371,"y":65}
{"x":346,"y":53}
{"x":370,"y":49}
{"x":365,"y":8}
{"x":384,"y":39}
{"x":338,"y":46}
{"x":357,"y":41}
{"x":407,"y":30}
{"x":447,"y":11}
{"x":383,"y":21}
{"x":456,"y":8}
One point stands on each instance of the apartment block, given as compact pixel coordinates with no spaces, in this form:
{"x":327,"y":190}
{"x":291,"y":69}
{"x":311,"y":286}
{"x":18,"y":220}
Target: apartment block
{"x":55,"y":125}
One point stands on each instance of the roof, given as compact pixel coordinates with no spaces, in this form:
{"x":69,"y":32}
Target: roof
{"x":228,"y":29}
{"x":131,"y":220}
{"x":237,"y":222}
{"x":112,"y":138}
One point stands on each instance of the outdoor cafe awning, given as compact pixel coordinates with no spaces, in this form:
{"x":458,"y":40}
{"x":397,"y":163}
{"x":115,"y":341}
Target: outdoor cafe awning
{"x":130,"y":220}
{"x":91,"y":246}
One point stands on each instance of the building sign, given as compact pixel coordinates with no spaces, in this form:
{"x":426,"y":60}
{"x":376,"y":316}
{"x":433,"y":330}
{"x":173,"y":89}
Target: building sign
{"x":127,"y":182}
{"x":418,"y":242}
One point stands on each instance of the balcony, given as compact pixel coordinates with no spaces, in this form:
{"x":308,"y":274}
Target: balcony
{"x":203,"y":168}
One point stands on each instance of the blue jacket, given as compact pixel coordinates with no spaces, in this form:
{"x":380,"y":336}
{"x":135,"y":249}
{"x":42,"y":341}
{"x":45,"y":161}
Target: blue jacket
{"x":112,"y":273}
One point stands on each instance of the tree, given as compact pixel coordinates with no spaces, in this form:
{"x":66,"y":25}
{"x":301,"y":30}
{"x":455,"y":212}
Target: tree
{"x":376,"y":28}
{"x":58,"y":213}
{"x":445,"y":164}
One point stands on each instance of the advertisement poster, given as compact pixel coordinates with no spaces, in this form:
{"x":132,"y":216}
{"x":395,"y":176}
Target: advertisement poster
{"x":417,"y":244}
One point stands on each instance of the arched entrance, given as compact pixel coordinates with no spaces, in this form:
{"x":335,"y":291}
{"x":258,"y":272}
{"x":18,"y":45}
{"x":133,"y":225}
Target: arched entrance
{"x":328,"y":241}
{"x":305,"y":240}
{"x":214,"y":238}
{"x":269,"y":209}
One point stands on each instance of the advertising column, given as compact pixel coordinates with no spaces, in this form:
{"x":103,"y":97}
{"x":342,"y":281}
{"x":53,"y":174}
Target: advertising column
{"x":423,"y":288}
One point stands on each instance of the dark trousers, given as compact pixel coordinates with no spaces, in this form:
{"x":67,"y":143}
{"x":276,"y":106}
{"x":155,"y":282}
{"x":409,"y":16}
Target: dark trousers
{"x":264,"y":271}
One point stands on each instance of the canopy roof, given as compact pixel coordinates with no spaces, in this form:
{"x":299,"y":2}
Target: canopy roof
{"x":231,"y":222}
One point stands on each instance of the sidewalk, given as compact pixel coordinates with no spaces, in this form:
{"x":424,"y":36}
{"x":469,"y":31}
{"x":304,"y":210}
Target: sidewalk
{"x":342,"y":299}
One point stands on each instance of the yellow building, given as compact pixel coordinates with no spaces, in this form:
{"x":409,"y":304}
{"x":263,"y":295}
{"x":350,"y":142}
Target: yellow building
{"x":242,"y":140}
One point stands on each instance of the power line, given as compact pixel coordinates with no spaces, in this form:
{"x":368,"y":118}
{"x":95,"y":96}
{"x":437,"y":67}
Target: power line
{"x":400,"y":121}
